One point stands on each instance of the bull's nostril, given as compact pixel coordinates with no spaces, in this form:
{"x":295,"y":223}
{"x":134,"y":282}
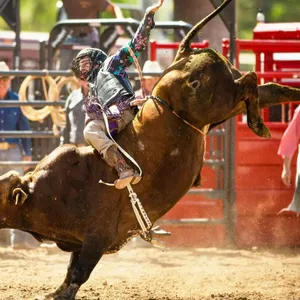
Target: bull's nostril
{"x":195,"y":84}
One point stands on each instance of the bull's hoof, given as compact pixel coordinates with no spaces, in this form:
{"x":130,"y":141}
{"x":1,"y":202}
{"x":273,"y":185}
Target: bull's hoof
{"x":260,"y":129}
{"x":62,"y":298}
{"x":45,"y":297}
{"x":54,"y":296}
{"x":69,"y":293}
{"x":264,"y":132}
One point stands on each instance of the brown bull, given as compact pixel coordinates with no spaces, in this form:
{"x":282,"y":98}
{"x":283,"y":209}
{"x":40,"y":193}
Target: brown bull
{"x":62,"y":201}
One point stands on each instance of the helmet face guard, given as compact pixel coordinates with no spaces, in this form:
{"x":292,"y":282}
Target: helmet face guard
{"x":87,"y":63}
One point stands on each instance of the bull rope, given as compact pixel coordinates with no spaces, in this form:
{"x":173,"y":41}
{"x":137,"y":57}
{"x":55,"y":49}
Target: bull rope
{"x":139,"y":211}
{"x":139,"y":70}
{"x":137,"y":206}
{"x":175,"y":113}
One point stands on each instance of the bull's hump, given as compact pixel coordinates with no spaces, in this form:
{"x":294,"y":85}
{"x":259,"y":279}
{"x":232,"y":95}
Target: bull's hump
{"x":65,"y":154}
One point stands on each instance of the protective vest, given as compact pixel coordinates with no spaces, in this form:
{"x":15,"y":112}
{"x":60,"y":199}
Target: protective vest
{"x":111,"y":88}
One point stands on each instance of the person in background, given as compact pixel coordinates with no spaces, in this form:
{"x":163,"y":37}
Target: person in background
{"x":288,"y":145}
{"x":12,"y":118}
{"x":110,"y":95}
{"x":74,"y":109}
{"x":85,"y":35}
{"x":148,"y":81}
{"x":13,"y":149}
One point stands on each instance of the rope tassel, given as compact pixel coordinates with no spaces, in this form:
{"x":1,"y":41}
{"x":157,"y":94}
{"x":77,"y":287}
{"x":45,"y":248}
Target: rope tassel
{"x":140,"y":213}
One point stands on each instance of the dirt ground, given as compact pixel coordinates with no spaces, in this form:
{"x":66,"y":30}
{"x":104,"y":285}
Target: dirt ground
{"x":140,"y":272}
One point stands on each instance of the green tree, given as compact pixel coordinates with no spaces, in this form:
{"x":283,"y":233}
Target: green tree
{"x":40,"y":15}
{"x":274,"y":10}
{"x":196,"y":10}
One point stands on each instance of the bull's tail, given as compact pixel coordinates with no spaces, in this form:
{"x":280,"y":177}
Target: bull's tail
{"x":185,"y":45}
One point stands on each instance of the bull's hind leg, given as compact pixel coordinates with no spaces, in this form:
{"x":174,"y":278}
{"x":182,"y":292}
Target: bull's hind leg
{"x":248,"y":91}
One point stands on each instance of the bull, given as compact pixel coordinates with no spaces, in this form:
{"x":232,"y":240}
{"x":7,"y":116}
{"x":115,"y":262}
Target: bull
{"x":62,"y":201}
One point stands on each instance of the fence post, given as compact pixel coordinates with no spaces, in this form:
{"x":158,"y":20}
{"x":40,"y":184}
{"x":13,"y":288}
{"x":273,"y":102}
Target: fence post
{"x":42,"y":61}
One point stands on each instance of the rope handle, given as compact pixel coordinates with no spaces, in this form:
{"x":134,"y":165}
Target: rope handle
{"x":138,"y":67}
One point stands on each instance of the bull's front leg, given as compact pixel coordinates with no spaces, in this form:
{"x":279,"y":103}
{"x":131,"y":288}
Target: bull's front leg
{"x":82,"y":266}
{"x":65,"y":285}
{"x":247,"y":90}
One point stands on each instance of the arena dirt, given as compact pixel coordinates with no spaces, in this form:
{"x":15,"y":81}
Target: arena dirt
{"x":139,"y":272}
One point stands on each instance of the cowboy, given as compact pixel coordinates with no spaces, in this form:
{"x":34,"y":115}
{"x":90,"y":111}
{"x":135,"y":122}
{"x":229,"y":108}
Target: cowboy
{"x":149,"y":81}
{"x":74,"y":108}
{"x":110,"y":95}
{"x":12,"y":118}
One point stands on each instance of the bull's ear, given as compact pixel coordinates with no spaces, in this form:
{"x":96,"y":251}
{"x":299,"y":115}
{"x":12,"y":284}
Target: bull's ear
{"x":19,"y":196}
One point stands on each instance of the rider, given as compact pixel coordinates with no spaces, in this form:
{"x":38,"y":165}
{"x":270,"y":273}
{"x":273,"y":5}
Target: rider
{"x":110,"y":94}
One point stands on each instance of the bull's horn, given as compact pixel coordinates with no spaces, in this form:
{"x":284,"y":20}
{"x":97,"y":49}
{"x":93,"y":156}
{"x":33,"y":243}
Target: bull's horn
{"x":185,"y":45}
{"x":17,"y":199}
{"x":17,"y":193}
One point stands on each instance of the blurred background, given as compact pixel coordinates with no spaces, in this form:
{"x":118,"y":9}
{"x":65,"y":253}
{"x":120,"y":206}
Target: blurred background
{"x":34,"y":13}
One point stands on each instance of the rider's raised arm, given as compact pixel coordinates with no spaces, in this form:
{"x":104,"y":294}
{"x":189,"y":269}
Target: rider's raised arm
{"x":122,"y":59}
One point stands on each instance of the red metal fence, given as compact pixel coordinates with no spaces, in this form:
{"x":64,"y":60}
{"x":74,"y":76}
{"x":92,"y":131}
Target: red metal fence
{"x":154,"y":46}
{"x":260,"y":194}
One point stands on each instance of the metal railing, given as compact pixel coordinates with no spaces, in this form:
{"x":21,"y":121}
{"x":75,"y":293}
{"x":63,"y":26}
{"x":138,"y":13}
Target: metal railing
{"x":63,"y":28}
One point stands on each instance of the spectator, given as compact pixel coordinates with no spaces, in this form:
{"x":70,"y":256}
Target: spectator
{"x":74,"y":108}
{"x":288,"y":145}
{"x":149,"y":81}
{"x":85,"y":35}
{"x":13,"y":149}
{"x":12,"y":119}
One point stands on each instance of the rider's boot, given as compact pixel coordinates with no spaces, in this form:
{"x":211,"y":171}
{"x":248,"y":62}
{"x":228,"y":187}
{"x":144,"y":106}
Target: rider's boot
{"x":126,"y":174}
